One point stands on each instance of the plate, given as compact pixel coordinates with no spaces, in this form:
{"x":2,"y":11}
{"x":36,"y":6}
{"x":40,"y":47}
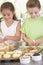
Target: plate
{"x":27,"y":49}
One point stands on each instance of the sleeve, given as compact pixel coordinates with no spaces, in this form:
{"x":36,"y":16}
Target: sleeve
{"x":23,"y":28}
{"x":0,"y":27}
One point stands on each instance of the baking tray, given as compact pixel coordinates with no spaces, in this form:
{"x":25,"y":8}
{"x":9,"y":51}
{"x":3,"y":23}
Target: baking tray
{"x":10,"y":59}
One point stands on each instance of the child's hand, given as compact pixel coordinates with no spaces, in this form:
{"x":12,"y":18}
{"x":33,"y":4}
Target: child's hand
{"x":32,"y":43}
{"x":6,"y":38}
{"x":36,"y":43}
{"x":1,"y":40}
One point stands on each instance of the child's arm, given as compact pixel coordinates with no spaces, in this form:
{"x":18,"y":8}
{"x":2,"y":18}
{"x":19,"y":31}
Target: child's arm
{"x":38,"y":41}
{"x":1,"y":39}
{"x":30,"y":42}
{"x":0,"y":27}
{"x":17,"y":36}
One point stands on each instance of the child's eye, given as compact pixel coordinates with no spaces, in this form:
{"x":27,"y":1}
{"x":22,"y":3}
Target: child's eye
{"x":4,"y":15}
{"x":8,"y":14}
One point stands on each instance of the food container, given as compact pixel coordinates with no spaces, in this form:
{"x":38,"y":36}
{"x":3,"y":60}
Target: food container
{"x":37,"y":57}
{"x":25,"y":59}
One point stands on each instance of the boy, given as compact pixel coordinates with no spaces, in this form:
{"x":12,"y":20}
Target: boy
{"x":32,"y":28}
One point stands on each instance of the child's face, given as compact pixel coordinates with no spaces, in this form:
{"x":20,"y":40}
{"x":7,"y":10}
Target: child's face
{"x":7,"y":15}
{"x":34,"y":12}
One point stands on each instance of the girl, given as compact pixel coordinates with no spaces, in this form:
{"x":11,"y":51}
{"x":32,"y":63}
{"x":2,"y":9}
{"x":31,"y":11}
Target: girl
{"x":32,"y":28}
{"x":10,"y":27}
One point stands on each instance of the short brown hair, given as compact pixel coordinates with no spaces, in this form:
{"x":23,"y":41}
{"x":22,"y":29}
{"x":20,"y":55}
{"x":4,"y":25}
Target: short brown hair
{"x":33,"y":3}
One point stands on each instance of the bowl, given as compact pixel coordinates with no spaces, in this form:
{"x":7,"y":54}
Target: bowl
{"x":25,"y":59}
{"x":37,"y":57}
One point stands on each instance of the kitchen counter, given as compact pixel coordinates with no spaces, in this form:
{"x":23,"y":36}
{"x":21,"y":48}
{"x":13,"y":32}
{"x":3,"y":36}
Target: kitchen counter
{"x":18,"y":63}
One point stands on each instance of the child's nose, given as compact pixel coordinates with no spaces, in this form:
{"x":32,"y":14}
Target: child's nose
{"x":6,"y":16}
{"x":34,"y":15}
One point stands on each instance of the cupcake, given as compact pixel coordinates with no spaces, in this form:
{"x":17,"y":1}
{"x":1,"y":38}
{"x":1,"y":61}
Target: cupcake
{"x":6,"y":56}
{"x":1,"y":56}
{"x":16,"y":56}
{"x":2,"y":53}
{"x":10,"y":52}
{"x":28,"y":54}
{"x":11,"y":47}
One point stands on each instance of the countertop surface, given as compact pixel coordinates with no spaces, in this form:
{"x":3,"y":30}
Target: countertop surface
{"x":18,"y":62}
